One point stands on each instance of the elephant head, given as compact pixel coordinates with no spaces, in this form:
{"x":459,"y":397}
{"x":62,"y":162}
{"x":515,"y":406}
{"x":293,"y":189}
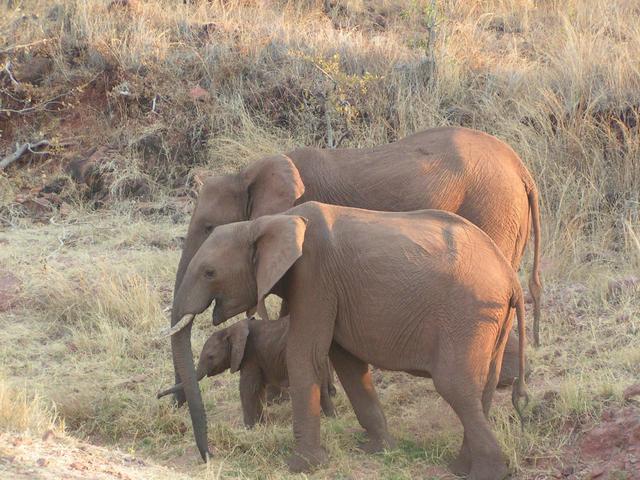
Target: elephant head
{"x":270,"y":185}
{"x":237,"y":266}
{"x":223,"y":350}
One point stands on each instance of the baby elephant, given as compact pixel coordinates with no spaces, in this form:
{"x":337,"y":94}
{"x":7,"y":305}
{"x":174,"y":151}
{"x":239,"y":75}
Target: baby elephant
{"x":258,"y":349}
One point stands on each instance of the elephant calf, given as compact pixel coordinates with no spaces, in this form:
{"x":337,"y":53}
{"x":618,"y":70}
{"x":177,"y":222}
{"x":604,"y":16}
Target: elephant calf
{"x":258,"y":349}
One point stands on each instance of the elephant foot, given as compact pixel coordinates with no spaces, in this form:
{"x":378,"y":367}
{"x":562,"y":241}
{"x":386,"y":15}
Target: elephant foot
{"x":304,"y":460}
{"x":251,"y":425}
{"x":377,"y":445}
{"x":489,"y":471}
{"x":461,"y":465}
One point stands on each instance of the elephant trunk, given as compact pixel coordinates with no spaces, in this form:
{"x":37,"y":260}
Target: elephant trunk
{"x":183,"y":359}
{"x":185,"y":258}
{"x":178,"y":396}
{"x":176,"y":388}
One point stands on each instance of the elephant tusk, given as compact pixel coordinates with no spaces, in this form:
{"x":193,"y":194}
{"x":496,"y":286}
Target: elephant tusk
{"x":186,"y":320}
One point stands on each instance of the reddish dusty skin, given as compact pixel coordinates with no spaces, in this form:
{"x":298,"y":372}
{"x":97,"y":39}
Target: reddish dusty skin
{"x":454,"y":169}
{"x":425,"y":292}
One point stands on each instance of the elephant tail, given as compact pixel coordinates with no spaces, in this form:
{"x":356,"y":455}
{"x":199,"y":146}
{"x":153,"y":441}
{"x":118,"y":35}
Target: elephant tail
{"x":535,"y":284}
{"x":519,"y":388}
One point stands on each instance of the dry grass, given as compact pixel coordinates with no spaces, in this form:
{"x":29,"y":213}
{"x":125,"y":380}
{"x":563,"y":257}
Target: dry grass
{"x":20,"y":410}
{"x":559,"y":81}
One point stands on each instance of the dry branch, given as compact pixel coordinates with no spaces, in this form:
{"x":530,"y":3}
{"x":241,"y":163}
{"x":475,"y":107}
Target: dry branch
{"x":39,"y":106}
{"x":26,"y":45}
{"x":21,"y":150}
{"x":7,"y":68}
{"x":46,"y":103}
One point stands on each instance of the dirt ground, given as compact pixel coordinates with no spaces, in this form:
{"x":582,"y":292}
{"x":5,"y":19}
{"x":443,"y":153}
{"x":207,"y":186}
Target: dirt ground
{"x":54,"y":457}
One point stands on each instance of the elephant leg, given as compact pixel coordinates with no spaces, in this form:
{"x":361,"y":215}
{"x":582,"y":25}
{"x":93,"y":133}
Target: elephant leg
{"x":276,"y":394}
{"x":284,"y":309}
{"x":305,"y":399}
{"x":251,"y":391}
{"x":262,"y":402}
{"x":461,"y":465}
{"x":464,"y":387}
{"x":355,"y":377}
{"x":495,"y":367}
{"x":480,"y":452}
{"x":490,"y":386}
{"x":510,"y":366}
{"x":308,"y":343}
{"x":325,"y":400}
{"x":332,"y":381}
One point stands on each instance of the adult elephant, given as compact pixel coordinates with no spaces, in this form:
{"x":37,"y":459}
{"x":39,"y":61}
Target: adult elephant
{"x":425,"y":292}
{"x":459,"y":170}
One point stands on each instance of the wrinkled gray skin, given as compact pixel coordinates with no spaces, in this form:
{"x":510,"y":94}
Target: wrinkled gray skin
{"x":454,"y":169}
{"x":424,"y":292}
{"x":256,"y":348}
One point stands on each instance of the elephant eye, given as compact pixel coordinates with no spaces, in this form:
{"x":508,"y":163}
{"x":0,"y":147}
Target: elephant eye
{"x":208,"y":229}
{"x":209,"y":273}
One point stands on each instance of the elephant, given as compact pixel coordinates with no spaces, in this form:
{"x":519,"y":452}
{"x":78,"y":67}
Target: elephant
{"x":454,"y":169}
{"x":425,"y":292}
{"x":257,"y":348}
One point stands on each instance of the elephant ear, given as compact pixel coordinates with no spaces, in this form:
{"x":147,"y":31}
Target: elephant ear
{"x":273,"y":186}
{"x":277,"y":241}
{"x":237,"y":337}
